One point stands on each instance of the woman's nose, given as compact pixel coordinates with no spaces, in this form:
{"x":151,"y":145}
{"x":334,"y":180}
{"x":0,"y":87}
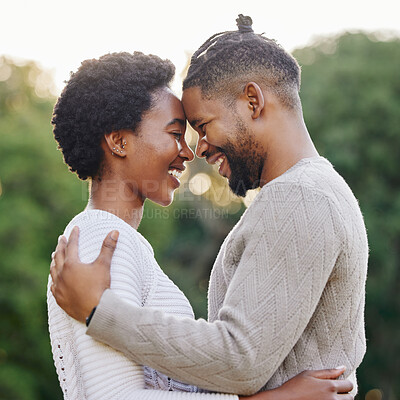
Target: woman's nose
{"x":187,"y":152}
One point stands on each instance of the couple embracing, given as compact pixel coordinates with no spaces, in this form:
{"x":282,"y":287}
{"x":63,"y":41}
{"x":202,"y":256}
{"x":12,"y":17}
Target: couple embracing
{"x":287,"y":290}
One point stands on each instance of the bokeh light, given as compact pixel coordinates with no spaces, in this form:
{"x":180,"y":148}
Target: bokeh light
{"x":222,"y":195}
{"x":374,"y":394}
{"x":5,"y":70}
{"x":200,"y":184}
{"x":250,"y":196}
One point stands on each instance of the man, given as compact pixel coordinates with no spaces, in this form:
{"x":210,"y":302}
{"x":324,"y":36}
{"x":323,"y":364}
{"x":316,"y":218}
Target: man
{"x":287,"y":288}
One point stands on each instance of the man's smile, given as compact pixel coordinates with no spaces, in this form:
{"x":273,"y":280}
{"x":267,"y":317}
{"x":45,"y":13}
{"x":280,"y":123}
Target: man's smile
{"x":221,"y":161}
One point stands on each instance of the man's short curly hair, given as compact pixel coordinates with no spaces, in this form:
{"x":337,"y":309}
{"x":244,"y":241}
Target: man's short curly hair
{"x":228,"y":60}
{"x":105,"y":95}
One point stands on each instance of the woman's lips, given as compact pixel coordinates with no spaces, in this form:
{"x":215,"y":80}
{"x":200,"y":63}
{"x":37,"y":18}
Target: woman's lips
{"x":175,"y":174}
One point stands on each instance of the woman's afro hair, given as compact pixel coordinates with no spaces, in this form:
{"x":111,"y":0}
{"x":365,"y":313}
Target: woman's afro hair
{"x":105,"y":95}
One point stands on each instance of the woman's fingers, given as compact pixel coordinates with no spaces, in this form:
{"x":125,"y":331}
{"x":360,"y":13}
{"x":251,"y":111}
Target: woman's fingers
{"x":340,"y":386}
{"x":344,"y":386}
{"x":332,"y":373}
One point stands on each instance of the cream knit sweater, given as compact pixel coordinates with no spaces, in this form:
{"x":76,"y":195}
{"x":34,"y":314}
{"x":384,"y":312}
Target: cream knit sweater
{"x":91,"y":370}
{"x":286,"y":294}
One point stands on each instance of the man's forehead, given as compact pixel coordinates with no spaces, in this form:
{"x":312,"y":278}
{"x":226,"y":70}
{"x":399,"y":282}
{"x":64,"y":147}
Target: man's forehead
{"x":195,"y":105}
{"x":194,"y":95}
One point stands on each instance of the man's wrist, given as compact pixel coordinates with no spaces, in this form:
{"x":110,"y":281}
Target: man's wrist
{"x":89,"y":317}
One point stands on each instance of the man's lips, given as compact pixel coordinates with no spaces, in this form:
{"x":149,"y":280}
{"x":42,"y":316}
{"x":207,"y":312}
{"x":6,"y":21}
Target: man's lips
{"x":222,"y":162}
{"x":212,"y":159}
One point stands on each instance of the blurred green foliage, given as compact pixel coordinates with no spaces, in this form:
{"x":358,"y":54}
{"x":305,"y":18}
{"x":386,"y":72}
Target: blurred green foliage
{"x":37,"y":197}
{"x":351,"y":99}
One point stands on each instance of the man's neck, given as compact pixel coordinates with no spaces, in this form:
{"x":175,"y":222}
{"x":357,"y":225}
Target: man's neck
{"x":291,"y":144}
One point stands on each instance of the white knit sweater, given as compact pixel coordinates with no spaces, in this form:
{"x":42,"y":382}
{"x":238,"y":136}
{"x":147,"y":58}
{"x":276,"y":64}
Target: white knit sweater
{"x":286,"y":293}
{"x":90,"y":370}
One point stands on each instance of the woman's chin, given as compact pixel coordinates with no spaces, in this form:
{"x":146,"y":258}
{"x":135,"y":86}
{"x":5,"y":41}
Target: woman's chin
{"x":165,"y":201}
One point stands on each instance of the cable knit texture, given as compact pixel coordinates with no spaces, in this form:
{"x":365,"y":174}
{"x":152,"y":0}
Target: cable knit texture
{"x":91,"y":370}
{"x":286,"y":293}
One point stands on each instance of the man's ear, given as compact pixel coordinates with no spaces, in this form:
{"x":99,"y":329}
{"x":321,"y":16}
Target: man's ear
{"x":116,"y":142}
{"x":255,"y":98}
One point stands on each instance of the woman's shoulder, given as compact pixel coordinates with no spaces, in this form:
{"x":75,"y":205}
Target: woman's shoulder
{"x":133,"y":255}
{"x":133,"y":262}
{"x":94,"y":225}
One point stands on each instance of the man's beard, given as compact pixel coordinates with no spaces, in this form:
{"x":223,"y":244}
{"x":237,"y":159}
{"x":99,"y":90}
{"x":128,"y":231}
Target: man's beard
{"x":246,"y":160}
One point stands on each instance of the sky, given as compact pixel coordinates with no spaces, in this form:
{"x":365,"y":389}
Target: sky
{"x":59,"y":34}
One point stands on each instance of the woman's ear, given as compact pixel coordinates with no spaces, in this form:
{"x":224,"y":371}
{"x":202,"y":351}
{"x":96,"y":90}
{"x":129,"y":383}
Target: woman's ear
{"x":116,"y":142}
{"x":255,"y":98}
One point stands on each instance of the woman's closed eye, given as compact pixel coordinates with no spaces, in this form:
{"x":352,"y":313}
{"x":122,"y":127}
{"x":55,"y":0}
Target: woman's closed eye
{"x":177,"y":135}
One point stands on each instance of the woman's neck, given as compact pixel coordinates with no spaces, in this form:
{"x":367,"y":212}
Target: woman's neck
{"x":116,"y":198}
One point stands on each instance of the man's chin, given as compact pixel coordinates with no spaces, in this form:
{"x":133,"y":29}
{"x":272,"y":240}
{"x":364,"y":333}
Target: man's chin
{"x":240,"y":187}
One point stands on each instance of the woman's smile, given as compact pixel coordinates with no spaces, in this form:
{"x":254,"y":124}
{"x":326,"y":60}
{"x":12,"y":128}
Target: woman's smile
{"x":159,"y":150}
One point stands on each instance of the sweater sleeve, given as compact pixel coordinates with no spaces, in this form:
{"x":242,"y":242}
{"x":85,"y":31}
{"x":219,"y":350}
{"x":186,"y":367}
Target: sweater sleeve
{"x":91,"y":370}
{"x":277,"y":265}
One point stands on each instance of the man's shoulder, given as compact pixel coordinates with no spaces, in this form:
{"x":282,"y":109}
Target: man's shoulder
{"x":312,"y":173}
{"x":311,"y":179}
{"x":310,"y":187}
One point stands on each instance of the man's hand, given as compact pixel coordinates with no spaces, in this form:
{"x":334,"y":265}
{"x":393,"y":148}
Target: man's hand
{"x":78,"y":287}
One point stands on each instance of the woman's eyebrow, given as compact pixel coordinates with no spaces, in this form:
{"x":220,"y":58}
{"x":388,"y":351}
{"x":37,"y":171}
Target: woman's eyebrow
{"x":177,"y":120}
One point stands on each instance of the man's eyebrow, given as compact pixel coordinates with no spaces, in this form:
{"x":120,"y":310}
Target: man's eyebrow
{"x":177,"y":120}
{"x":195,"y":122}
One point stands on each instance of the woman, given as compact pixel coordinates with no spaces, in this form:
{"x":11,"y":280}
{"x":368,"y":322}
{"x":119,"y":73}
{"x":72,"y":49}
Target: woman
{"x":118,"y":124}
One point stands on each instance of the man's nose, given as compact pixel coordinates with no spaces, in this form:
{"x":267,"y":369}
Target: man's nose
{"x":202,"y":148}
